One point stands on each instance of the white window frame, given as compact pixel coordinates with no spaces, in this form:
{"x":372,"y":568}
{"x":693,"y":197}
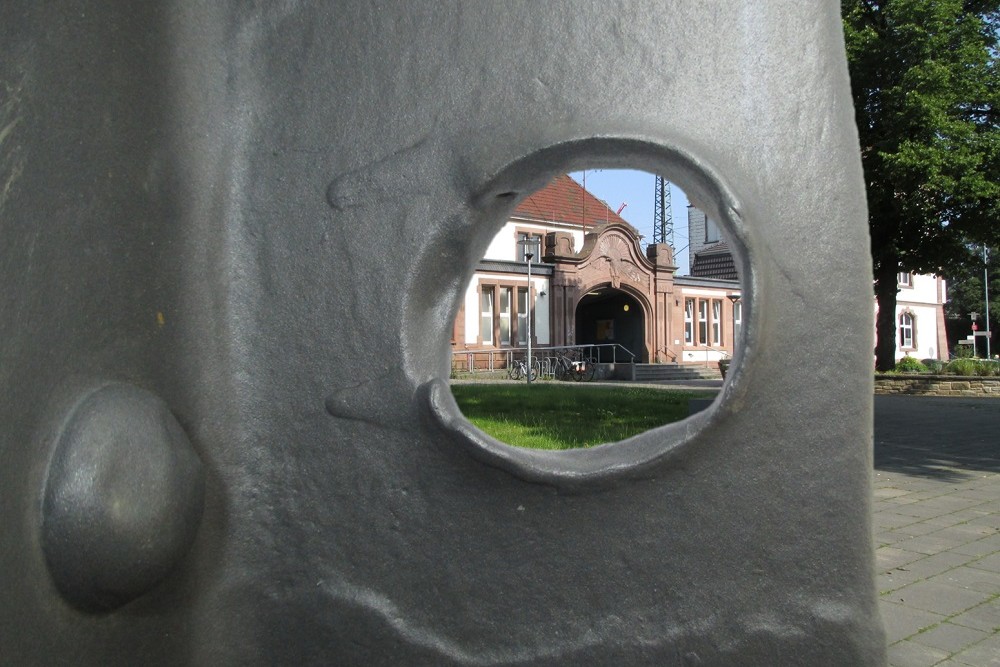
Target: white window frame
{"x":907,"y":324}
{"x":689,"y":321}
{"x":703,"y":321}
{"x":504,"y":315}
{"x":486,"y":314}
{"x":522,"y":315}
{"x":716,"y":322}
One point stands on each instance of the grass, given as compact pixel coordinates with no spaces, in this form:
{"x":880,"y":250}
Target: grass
{"x":561,"y":416}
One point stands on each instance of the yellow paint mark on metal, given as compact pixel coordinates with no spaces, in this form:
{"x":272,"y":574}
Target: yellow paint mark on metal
{"x":160,"y":319}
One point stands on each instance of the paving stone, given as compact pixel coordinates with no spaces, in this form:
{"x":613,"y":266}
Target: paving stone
{"x":979,"y":548}
{"x":950,"y":638}
{"x":985,"y":617}
{"x":991,"y":562}
{"x":938,"y":598}
{"x":890,"y":492}
{"x":984,"y":654}
{"x":893,"y":520}
{"x":937,"y":563}
{"x":936,"y":492}
{"x":888,"y":558}
{"x":930,"y":544}
{"x":910,"y":654}
{"x":901,"y":621}
{"x":964,"y":531}
{"x":970,"y":578}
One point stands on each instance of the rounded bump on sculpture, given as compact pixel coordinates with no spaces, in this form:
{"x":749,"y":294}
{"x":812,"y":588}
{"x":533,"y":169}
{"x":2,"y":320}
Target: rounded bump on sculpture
{"x":123,"y":498}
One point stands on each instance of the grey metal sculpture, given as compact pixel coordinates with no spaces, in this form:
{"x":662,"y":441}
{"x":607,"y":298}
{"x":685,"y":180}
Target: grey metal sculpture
{"x":232,"y":240}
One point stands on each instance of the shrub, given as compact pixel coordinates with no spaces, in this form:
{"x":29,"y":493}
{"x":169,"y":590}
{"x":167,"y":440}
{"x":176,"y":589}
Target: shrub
{"x":909,"y":365}
{"x":986,"y":367}
{"x":961,"y":367}
{"x":962,"y":352}
{"x":933,"y":365}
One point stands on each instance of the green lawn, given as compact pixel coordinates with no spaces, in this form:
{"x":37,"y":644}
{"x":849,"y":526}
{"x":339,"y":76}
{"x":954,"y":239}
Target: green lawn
{"x":561,"y":416}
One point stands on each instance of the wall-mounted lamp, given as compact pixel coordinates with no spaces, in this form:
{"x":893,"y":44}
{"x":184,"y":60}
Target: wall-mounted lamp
{"x":541,"y":294}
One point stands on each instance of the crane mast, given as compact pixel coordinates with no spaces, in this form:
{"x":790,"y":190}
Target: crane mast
{"x":663,"y":222}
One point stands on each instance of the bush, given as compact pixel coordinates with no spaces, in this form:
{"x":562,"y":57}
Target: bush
{"x":909,"y":365}
{"x":933,"y":365}
{"x":961,"y":367}
{"x":986,"y":367}
{"x":962,"y":352}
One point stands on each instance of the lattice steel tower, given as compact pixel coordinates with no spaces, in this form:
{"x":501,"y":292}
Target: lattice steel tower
{"x":663,"y":219}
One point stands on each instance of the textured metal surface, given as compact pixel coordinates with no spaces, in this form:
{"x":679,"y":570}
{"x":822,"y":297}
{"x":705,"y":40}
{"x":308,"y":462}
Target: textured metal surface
{"x":233,"y":205}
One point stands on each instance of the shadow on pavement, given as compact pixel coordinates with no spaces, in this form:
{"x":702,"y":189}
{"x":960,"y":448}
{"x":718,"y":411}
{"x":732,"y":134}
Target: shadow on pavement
{"x":945,"y":438}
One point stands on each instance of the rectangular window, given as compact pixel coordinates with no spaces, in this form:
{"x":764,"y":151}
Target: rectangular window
{"x":716,"y":322}
{"x":906,"y":330}
{"x":689,"y":321}
{"x":711,"y":231}
{"x":737,"y":321}
{"x":486,"y":314}
{"x":527,"y":242}
{"x":522,"y":315}
{"x":505,"y":315}
{"x":905,"y":279}
{"x":702,"y":322}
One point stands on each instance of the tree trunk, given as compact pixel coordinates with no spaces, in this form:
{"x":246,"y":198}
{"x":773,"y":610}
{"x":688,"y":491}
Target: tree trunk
{"x":886,"y":289}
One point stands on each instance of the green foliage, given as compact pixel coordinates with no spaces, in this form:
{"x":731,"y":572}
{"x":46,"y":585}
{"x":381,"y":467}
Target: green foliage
{"x":564,"y":416}
{"x":932,"y":365}
{"x":962,"y":352}
{"x":961,"y":367}
{"x":910,"y":365}
{"x":926,"y":83}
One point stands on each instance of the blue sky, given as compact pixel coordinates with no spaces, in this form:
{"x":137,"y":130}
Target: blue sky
{"x":637,"y":189}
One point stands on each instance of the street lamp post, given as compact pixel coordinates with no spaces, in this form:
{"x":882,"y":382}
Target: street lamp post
{"x":527,"y":316}
{"x":986,"y":287}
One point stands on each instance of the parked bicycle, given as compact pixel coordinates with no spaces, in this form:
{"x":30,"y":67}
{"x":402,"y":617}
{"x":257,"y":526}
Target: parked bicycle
{"x":572,"y":366}
{"x":518,"y":369}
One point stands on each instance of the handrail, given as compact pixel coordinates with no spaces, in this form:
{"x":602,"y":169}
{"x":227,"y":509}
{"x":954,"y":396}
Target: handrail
{"x":507,"y":354}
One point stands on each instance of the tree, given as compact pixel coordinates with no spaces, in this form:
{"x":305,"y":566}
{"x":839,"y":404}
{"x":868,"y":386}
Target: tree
{"x":925,"y":81}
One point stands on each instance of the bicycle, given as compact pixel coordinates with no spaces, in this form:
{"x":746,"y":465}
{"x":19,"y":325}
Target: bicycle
{"x":519,"y":369}
{"x":578,"y":369}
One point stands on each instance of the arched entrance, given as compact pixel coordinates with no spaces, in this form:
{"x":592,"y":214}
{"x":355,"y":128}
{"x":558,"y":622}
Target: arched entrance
{"x":607,"y":315}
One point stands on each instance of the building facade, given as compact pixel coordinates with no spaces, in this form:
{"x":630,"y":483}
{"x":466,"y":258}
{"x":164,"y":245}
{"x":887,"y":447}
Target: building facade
{"x":593,"y":286}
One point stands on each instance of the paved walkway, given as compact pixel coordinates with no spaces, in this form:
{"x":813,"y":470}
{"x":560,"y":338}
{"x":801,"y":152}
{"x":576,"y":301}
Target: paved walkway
{"x":937,"y":529}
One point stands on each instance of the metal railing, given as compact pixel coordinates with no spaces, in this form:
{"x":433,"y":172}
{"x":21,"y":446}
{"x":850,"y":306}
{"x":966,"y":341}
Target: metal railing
{"x":490,"y":360}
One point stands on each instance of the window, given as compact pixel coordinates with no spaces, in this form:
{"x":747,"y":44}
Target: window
{"x":528,"y":242}
{"x":505,"y":315}
{"x":906,"y":330}
{"x":905,"y":279}
{"x":689,"y":321}
{"x":702,"y":322}
{"x":737,"y":320}
{"x":716,"y":322}
{"x":711,"y":231}
{"x":522,"y":316}
{"x":486,"y":314}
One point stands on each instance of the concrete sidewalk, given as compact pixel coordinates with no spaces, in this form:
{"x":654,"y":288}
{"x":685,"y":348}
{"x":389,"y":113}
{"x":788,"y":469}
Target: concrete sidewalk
{"x":937,"y":529}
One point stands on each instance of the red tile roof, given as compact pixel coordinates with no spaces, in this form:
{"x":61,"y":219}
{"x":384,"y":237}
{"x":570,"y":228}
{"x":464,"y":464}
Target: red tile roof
{"x":565,"y":200}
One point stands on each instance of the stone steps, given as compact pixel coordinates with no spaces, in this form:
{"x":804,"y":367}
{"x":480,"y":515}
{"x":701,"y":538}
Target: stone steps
{"x":675,"y":372}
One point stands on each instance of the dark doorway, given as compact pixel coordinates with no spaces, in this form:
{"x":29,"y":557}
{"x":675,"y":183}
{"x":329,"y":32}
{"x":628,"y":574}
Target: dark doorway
{"x":611,"y":316}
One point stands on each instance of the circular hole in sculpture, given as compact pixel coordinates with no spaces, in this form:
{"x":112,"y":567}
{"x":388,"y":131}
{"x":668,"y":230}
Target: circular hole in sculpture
{"x":605,"y":305}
